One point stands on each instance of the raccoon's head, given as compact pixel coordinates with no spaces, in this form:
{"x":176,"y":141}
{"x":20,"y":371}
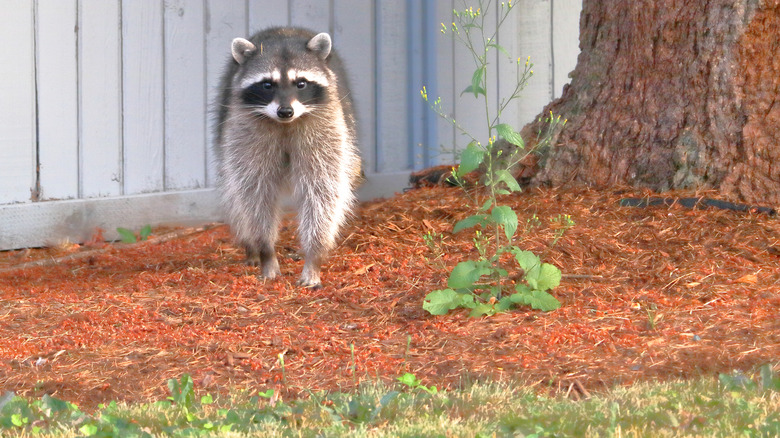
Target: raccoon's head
{"x":284,"y":78}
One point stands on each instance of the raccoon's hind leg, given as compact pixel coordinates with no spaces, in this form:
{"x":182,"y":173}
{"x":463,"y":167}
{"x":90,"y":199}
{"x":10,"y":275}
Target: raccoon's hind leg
{"x":262,"y":255}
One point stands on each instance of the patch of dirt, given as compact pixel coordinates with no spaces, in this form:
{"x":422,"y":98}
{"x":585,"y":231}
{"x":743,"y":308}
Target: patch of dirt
{"x":648,"y":293}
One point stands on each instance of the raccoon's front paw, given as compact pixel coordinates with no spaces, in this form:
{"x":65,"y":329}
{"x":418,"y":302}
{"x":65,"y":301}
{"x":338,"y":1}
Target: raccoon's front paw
{"x":310,"y":279}
{"x":309,"y":284}
{"x":253,"y":261}
{"x":271,"y":269}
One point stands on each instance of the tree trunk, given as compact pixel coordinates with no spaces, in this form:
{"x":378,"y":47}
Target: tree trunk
{"x":672,"y":94}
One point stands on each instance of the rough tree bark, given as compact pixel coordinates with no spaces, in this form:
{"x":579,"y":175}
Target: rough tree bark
{"x":672,"y":94}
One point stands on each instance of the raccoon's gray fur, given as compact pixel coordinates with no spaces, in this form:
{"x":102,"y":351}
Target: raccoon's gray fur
{"x":285,"y":121}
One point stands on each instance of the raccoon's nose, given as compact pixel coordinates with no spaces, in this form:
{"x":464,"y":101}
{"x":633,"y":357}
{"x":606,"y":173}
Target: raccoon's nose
{"x":284,"y":112}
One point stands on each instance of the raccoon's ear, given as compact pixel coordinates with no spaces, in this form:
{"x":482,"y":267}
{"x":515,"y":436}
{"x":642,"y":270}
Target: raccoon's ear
{"x":320,"y":45}
{"x":242,"y":49}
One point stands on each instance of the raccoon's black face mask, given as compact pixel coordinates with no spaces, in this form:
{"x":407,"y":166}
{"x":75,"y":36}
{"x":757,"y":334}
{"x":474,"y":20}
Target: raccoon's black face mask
{"x":289,"y":98}
{"x":284,"y":79}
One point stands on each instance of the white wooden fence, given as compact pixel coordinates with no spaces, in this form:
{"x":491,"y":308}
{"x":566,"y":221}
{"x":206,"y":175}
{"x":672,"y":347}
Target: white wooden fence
{"x":104,"y":104}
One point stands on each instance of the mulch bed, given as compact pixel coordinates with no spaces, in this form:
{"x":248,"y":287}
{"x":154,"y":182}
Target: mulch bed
{"x":648,"y":293}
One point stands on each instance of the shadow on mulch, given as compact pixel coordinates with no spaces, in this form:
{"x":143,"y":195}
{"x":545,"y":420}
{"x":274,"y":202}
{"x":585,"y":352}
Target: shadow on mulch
{"x":648,"y":293}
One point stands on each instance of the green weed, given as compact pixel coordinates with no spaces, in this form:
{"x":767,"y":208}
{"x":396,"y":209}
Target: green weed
{"x":130,"y":236}
{"x":485,"y":285}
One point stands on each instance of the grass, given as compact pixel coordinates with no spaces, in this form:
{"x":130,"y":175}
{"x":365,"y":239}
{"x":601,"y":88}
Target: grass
{"x":734,"y":405}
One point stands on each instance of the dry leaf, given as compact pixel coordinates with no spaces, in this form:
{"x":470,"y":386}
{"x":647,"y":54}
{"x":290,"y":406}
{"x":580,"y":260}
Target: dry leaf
{"x":748,"y":279}
{"x":363,"y":269}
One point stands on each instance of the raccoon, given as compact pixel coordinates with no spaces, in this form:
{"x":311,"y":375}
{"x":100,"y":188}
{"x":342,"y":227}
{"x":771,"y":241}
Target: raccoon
{"x":286,"y":124}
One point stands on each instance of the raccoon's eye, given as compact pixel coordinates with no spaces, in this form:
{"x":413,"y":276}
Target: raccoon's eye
{"x":266,"y":85}
{"x":301,"y":84}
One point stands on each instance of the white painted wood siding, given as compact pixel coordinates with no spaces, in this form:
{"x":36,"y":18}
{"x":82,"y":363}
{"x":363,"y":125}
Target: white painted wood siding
{"x":105,"y":104}
{"x":545,"y":30}
{"x":17,"y":103}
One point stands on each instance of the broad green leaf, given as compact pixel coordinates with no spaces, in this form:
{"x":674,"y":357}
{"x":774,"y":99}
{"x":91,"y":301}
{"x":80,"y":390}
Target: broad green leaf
{"x":476,"y":81}
{"x":477,"y":219}
{"x":89,"y":429}
{"x":509,"y":134}
{"x":549,"y":277}
{"x":506,"y":217}
{"x":503,"y":175}
{"x":410,"y":380}
{"x":465,"y":274}
{"x":486,"y":205}
{"x":145,"y":232}
{"x":127,"y":236}
{"x":544,"y":301}
{"x":470,"y":158}
{"x":537,"y":299}
{"x":181,"y":390}
{"x":504,"y":304}
{"x":481,"y":310}
{"x":467,"y":300}
{"x":477,"y":91}
{"x":439,"y":302}
{"x":51,"y":405}
{"x":546,"y":277}
{"x":268,"y":393}
{"x":432,"y":390}
{"x":529,"y":262}
{"x":18,"y":420}
{"x":500,"y":49}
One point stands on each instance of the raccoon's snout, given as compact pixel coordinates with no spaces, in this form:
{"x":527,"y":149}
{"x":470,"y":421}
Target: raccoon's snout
{"x":285,"y":112}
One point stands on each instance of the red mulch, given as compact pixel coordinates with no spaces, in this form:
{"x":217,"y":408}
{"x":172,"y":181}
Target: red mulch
{"x":648,"y":293}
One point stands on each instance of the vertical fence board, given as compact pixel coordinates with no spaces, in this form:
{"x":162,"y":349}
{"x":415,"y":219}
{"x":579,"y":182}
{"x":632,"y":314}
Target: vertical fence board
{"x":565,"y":41}
{"x":508,"y":65}
{"x":534,"y":41}
{"x":185,"y":95}
{"x":312,"y":14}
{"x":445,"y":152}
{"x":470,"y":111}
{"x":143,"y":104}
{"x":392,"y":99}
{"x":17,"y":105}
{"x":57,"y":78}
{"x":227,"y":20}
{"x":353,"y":37}
{"x":100,"y":101}
{"x":414,"y":82}
{"x":263,"y":15}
